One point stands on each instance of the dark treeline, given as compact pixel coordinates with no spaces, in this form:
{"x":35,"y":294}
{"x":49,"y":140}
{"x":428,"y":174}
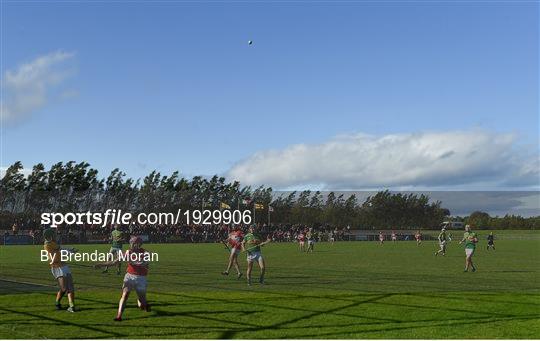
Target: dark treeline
{"x":76,"y":187}
{"x":483,"y":220}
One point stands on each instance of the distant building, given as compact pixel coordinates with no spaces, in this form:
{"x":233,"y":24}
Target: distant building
{"x":453,"y":225}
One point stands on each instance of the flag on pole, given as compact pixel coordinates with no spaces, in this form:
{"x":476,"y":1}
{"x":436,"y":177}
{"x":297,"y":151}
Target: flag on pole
{"x":246,"y":201}
{"x":224,"y":206}
{"x":259,"y":206}
{"x":270,"y":209}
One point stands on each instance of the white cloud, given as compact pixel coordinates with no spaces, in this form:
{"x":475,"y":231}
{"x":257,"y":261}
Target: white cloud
{"x":31,"y":86}
{"x":25,"y":171}
{"x":435,"y":159}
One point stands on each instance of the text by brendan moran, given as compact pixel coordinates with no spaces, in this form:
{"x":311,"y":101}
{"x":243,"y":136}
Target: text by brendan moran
{"x":95,"y":256}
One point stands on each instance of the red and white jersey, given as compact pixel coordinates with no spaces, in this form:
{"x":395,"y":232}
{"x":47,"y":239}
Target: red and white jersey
{"x":235,"y":239}
{"x":381,"y":236}
{"x":418,"y":236}
{"x":301,"y":237}
{"x":393,"y":236}
{"x":136,"y":265}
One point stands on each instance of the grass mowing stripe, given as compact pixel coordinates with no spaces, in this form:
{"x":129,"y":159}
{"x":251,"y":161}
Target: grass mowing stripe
{"x":355,"y":289}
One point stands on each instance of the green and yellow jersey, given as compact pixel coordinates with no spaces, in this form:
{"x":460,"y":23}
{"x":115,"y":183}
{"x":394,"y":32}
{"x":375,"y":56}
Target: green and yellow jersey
{"x":116,"y":238}
{"x":469,"y":238}
{"x":54,"y":253}
{"x":442,"y":236}
{"x":251,"y":243}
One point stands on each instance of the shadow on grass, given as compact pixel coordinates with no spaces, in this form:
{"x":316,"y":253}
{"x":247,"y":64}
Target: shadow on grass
{"x":63,"y":322}
{"x":348,"y":301}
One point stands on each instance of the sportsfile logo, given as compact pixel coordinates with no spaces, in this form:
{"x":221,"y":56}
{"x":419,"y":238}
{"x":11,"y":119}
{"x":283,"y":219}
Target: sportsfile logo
{"x":113,"y":216}
{"x":110,"y":216}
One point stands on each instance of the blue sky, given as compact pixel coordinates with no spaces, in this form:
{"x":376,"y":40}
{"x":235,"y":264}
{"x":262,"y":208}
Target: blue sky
{"x":175,"y":86}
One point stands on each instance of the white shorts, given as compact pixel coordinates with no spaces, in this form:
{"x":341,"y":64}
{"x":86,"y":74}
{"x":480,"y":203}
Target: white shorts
{"x":254,"y":256}
{"x":469,"y":252}
{"x":442,"y":244}
{"x":235,"y":251}
{"x":60,"y":271}
{"x":134,"y":282}
{"x":301,"y":242}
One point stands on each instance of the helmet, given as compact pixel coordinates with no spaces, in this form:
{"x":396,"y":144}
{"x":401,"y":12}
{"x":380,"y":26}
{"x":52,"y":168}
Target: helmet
{"x":48,"y":234}
{"x":135,"y":240}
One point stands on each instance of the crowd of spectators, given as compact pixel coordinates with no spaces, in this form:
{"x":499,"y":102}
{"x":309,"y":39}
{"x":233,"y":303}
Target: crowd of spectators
{"x":176,"y":233}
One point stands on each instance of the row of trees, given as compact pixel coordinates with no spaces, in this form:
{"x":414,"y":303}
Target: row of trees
{"x":76,"y":187}
{"x":483,"y":220}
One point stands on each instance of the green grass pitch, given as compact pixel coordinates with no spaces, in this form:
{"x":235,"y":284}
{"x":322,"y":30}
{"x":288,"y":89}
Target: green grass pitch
{"x":343,"y":290}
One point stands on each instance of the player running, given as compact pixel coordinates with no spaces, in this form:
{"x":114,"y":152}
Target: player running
{"x":310,"y":235}
{"x":135,"y":278}
{"x":59,"y":270}
{"x":381,"y":238}
{"x":116,"y":247}
{"x":442,"y":242}
{"x":235,"y":241}
{"x":302,"y":241}
{"x":394,"y":237}
{"x":418,"y":237}
{"x":252,"y":245}
{"x":491,"y":241}
{"x":470,"y":239}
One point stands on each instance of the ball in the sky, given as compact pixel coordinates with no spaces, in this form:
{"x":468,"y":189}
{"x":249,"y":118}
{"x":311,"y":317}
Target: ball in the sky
{"x":250,"y":42}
